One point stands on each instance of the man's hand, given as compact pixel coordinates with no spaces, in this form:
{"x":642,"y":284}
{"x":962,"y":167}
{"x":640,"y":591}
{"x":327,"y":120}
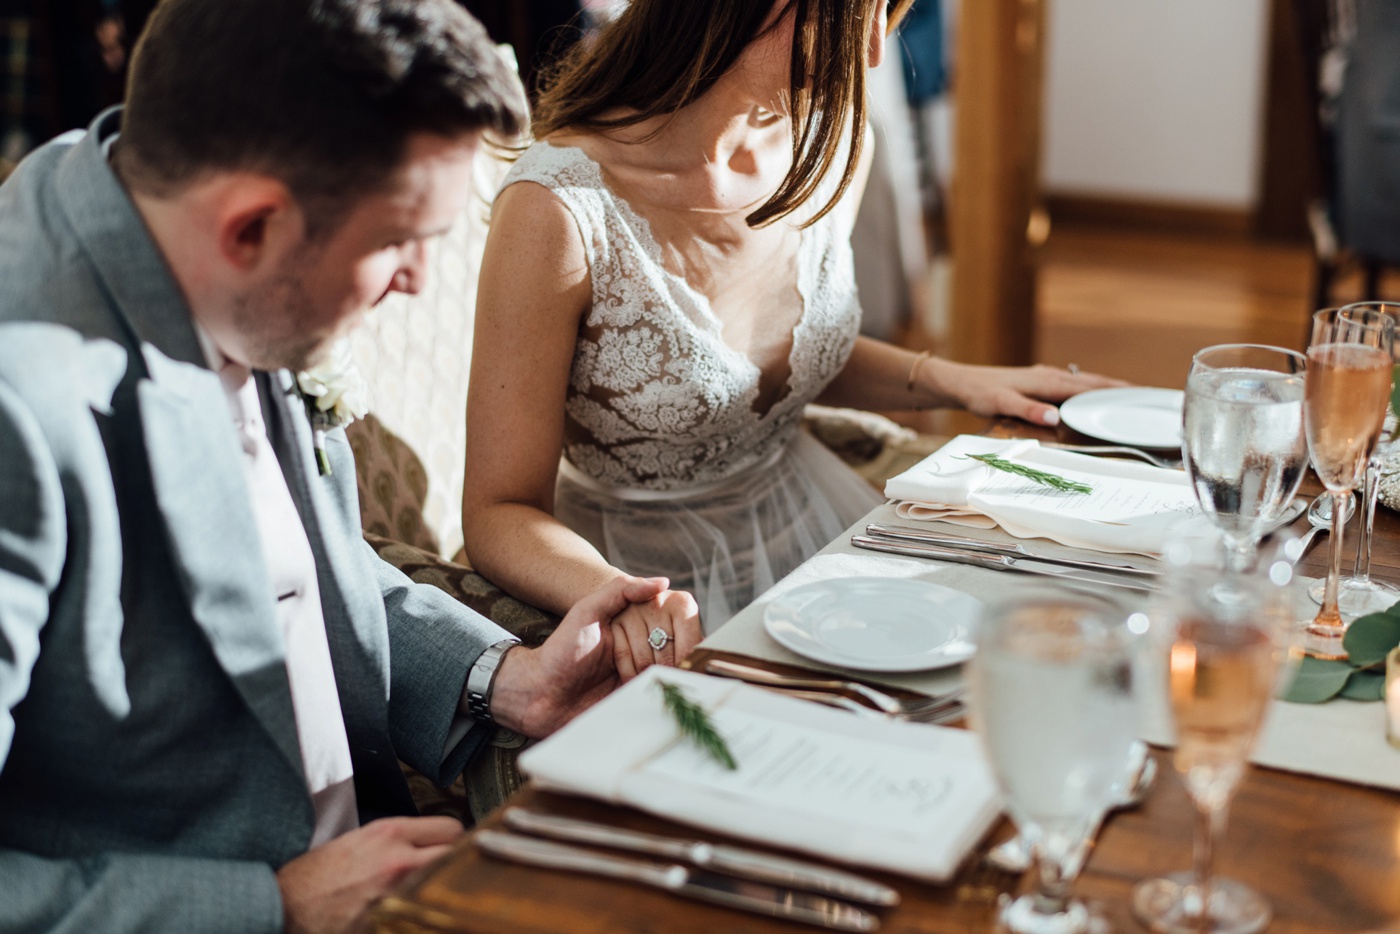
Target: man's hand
{"x":326,"y":889}
{"x":539,"y":690}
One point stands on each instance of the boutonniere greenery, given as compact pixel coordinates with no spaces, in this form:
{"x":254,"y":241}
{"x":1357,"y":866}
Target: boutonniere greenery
{"x":335,"y":394}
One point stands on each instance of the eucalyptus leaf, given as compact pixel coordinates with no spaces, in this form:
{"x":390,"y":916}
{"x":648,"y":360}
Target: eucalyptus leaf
{"x":1365,"y":686}
{"x":1370,"y":639}
{"x":1318,"y":680}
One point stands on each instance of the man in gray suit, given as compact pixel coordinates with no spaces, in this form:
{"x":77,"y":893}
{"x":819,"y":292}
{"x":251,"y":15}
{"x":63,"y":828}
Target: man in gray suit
{"x":206,"y":678}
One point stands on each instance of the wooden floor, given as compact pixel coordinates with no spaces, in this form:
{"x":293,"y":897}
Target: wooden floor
{"x":1137,"y":305}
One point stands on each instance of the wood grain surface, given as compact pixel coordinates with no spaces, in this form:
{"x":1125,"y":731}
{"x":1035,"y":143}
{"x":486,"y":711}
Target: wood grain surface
{"x":1326,"y":855}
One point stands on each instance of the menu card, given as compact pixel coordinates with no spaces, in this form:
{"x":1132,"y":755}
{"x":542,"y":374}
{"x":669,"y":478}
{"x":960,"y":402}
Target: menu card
{"x":910,"y":798}
{"x":1133,"y":508}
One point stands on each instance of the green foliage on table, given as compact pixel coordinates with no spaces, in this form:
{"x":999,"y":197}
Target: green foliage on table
{"x":1318,"y":680}
{"x":694,"y":723}
{"x":1361,"y":676}
{"x":1042,"y":477}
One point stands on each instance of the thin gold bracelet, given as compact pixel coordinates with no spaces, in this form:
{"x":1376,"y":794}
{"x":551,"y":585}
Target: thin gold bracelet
{"x":914,"y":370}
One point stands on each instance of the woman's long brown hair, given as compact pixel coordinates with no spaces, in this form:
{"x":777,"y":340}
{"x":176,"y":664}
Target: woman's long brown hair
{"x":661,"y":55}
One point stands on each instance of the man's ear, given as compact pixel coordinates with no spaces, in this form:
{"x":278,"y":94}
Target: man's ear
{"x":258,"y":223}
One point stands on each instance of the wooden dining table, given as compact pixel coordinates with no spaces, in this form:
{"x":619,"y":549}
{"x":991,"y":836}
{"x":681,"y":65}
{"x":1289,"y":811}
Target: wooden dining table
{"x":1326,"y":854}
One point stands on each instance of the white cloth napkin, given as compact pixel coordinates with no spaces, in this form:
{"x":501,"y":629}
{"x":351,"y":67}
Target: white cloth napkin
{"x":905,"y":797}
{"x":1134,"y":508}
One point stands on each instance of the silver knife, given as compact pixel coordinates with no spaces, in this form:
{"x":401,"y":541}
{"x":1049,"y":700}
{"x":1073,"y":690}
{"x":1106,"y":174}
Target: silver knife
{"x":906,"y":534}
{"x":1004,"y":563}
{"x":774,"y":901}
{"x":739,"y":861}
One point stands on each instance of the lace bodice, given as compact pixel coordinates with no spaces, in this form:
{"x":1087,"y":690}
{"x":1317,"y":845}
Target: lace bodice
{"x":656,"y":399}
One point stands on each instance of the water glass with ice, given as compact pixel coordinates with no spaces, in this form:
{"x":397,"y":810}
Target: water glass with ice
{"x":1244,"y":444}
{"x":1052,"y":699}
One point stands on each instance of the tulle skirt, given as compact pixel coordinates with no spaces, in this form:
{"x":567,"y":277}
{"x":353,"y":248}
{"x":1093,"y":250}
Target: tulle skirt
{"x":724,"y":542}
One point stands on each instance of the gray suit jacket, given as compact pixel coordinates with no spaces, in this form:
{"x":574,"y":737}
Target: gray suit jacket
{"x":150,"y":777}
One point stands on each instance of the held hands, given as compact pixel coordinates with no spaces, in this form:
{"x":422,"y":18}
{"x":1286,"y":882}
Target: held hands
{"x":675,"y":613}
{"x":1017,"y":391}
{"x":326,"y":889}
{"x":539,"y":690}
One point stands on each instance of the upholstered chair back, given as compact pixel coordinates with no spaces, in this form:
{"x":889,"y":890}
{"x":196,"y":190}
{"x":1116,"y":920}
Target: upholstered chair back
{"x":415,"y":353}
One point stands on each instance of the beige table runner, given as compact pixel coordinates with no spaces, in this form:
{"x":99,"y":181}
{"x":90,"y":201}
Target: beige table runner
{"x":1342,"y":740}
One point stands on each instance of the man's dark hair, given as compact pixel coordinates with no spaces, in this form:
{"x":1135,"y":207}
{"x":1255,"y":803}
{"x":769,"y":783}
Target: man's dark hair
{"x":321,"y":94}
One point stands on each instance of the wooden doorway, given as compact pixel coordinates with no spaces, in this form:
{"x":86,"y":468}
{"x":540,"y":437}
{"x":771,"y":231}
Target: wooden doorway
{"x":996,"y":180}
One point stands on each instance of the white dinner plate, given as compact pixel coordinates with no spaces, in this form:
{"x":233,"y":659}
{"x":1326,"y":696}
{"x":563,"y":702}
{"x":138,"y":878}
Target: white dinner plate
{"x":875,"y":624}
{"x":1136,"y":415}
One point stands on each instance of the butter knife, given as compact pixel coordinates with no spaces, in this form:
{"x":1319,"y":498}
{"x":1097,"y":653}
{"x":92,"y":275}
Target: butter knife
{"x":1005,"y":563}
{"x":734,"y":860}
{"x":904,"y":533}
{"x":760,"y":897}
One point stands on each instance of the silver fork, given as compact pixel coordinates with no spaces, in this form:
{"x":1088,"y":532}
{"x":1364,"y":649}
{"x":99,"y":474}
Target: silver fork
{"x":924,"y":709}
{"x":1153,"y":459}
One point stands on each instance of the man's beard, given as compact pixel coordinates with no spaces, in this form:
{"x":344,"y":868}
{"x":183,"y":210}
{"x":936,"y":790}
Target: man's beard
{"x":271,"y":320}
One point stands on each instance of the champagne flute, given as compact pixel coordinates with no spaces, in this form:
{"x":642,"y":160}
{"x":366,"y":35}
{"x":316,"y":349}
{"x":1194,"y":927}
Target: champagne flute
{"x":1348,"y":388}
{"x":1243,"y":442}
{"x":1051,"y":691}
{"x":1359,"y":595}
{"x":1228,"y":633}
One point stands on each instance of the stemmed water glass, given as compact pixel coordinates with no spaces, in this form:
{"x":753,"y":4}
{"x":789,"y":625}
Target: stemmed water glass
{"x":1051,"y":692}
{"x":1348,"y":388}
{"x":1228,"y":633}
{"x":1243,"y":442}
{"x":1359,"y":595}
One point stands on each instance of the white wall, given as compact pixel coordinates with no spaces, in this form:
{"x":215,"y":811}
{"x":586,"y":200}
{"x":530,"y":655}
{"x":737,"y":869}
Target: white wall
{"x":1155,"y":99}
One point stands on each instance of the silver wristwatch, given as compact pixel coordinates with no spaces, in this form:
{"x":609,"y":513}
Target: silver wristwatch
{"x":481,"y":679}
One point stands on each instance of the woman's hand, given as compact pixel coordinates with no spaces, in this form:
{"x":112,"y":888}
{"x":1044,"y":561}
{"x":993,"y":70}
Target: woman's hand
{"x":675,"y":613}
{"x":1022,"y":392}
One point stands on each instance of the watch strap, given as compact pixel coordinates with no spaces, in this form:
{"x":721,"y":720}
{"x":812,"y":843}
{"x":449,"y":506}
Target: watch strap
{"x":481,"y":678}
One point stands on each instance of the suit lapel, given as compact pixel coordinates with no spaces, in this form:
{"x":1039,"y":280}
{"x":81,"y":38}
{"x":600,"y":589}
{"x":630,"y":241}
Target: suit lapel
{"x":196,"y":470}
{"x":350,"y":599}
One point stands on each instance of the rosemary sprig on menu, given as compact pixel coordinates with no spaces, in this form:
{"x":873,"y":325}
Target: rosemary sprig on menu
{"x":1030,"y":473}
{"x":694,"y":723}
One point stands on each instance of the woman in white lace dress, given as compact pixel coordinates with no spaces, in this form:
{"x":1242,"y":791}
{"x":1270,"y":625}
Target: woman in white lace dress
{"x":667,"y":282}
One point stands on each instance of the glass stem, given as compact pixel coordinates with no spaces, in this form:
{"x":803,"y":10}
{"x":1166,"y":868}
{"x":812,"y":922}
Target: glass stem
{"x":1053,"y":896}
{"x":1239,"y":553}
{"x":1334,"y":565}
{"x":1369,"y":495}
{"x":1210,"y":823}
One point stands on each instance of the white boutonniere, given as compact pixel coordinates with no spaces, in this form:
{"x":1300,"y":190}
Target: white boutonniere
{"x":335,"y":394}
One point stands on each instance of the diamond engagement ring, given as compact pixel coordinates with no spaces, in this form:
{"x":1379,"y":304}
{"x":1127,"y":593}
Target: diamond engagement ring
{"x":1073,"y":369}
{"x":659,"y":638}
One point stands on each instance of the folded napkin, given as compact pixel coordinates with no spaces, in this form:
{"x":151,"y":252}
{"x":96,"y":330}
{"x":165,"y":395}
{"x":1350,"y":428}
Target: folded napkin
{"x":1134,"y":508}
{"x":905,"y":797}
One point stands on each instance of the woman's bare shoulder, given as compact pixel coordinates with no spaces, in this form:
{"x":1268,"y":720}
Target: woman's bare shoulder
{"x":536,"y":246}
{"x":537,"y":211}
